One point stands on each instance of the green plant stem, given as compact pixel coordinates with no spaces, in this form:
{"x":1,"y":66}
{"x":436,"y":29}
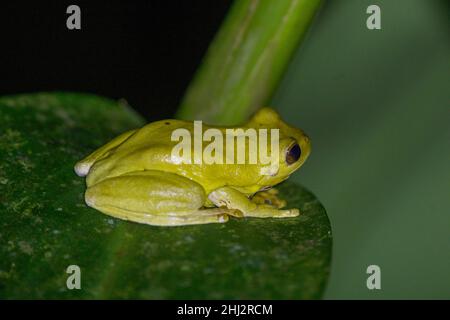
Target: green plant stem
{"x":246,"y":60}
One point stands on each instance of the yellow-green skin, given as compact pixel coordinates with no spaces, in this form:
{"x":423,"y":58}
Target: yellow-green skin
{"x":134,"y":177}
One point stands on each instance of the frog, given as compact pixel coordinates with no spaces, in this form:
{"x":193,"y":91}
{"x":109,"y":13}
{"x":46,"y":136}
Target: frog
{"x":135,"y":177}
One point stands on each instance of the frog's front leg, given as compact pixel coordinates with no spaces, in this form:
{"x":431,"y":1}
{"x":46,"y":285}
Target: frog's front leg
{"x":155,"y":198}
{"x":233,"y":199}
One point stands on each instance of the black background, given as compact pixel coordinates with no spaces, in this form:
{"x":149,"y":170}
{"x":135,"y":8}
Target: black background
{"x":143,"y":51}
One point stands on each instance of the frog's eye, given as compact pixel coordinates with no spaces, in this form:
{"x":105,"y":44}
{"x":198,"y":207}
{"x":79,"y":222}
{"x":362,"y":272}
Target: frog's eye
{"x":293,"y":154}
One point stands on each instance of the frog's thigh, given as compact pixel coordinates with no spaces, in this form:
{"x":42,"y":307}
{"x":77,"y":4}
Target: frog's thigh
{"x":149,"y":191}
{"x":153,"y":197}
{"x":233,"y":199}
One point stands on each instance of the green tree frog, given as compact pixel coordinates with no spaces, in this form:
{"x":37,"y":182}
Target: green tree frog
{"x":134,"y":177}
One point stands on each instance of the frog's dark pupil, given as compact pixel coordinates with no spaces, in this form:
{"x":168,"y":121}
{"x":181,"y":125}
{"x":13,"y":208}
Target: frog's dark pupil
{"x":293,"y":154}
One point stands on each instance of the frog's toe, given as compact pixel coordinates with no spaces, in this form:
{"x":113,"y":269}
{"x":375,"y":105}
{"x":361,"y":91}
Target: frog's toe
{"x":222,"y":218}
{"x":287,"y":213}
{"x":270,"y":198}
{"x":235,"y":213}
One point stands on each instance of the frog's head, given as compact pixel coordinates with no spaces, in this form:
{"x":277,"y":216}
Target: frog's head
{"x":294,"y":146}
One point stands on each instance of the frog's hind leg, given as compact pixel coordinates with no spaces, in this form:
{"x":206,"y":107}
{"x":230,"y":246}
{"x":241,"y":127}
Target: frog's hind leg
{"x":175,"y":218}
{"x":156,"y":198}
{"x":82,"y":167}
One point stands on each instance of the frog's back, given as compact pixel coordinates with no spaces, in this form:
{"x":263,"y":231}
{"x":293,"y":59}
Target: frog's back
{"x":150,"y":148}
{"x":141,"y":150}
{"x":156,"y":133}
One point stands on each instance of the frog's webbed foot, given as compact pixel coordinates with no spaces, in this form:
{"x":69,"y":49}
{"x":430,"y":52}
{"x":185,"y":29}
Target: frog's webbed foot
{"x":269,"y":197}
{"x":233,"y":199}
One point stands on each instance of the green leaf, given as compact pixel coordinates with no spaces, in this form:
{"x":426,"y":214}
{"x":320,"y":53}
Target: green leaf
{"x":45,"y":225}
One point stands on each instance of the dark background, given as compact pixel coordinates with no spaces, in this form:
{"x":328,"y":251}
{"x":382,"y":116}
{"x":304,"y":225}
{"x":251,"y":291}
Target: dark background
{"x":143,"y":51}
